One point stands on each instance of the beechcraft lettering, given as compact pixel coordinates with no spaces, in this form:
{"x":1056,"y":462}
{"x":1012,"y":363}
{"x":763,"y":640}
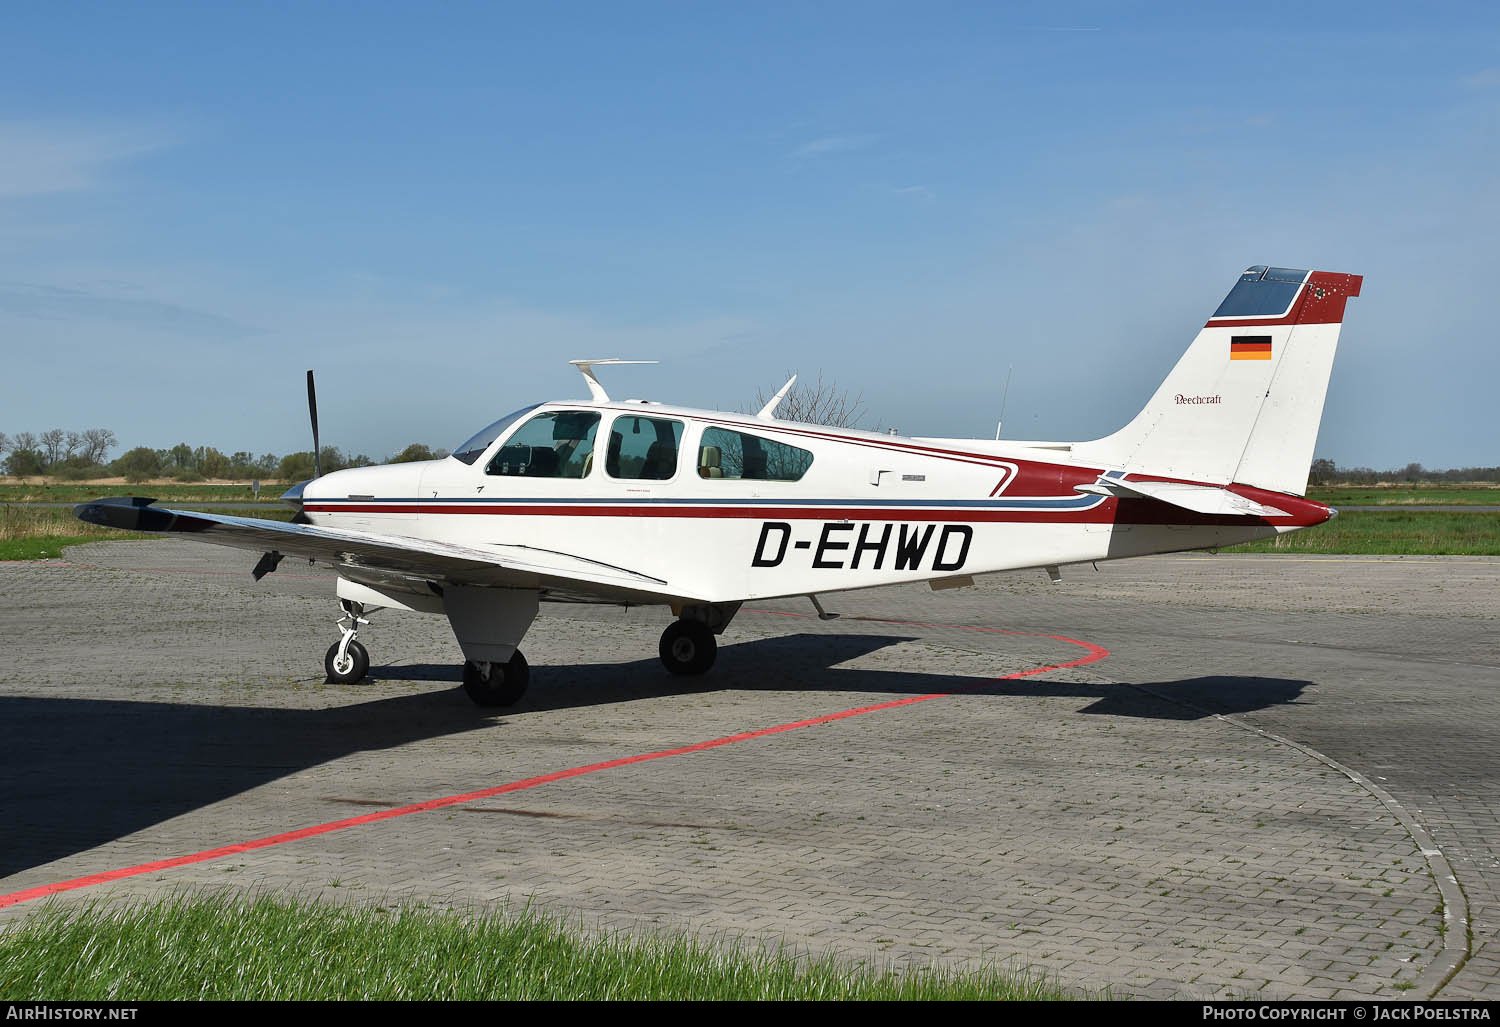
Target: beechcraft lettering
{"x":837,"y":548}
{"x":644,"y":504}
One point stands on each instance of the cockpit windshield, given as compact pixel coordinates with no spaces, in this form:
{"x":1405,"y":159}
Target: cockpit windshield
{"x":473,"y":449}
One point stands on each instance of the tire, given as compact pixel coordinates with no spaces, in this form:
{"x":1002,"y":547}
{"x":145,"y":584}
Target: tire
{"x":506,"y":684}
{"x":688,"y":647}
{"x":356,"y":664}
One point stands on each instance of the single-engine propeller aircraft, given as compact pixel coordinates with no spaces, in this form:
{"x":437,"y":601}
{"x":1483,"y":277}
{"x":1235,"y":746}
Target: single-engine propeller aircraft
{"x":639,"y":503}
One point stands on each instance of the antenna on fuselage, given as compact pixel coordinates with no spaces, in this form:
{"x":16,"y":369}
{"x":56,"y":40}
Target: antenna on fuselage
{"x":1003,"y":398}
{"x":768,"y":412}
{"x":586,"y":368}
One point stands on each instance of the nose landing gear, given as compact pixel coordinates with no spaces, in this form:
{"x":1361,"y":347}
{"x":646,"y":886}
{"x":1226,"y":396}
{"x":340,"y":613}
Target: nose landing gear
{"x":347,"y":661}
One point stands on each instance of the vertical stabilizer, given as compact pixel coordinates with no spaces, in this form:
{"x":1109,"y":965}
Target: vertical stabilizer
{"x":1244,"y":403}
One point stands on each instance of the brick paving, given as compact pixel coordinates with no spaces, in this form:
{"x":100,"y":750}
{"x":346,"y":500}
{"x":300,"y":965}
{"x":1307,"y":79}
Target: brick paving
{"x":1094,"y":824}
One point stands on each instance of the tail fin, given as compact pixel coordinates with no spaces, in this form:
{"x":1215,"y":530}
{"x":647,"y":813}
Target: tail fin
{"x":1243,"y":404}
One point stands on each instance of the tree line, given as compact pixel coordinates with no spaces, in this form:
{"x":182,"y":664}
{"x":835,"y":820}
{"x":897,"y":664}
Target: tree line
{"x":1326,"y":472}
{"x":81,"y":456}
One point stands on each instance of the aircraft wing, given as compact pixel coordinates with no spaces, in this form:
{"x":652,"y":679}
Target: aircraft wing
{"x":383,"y":556}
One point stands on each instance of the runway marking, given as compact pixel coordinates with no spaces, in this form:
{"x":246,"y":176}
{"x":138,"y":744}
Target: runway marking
{"x":1093,"y":654}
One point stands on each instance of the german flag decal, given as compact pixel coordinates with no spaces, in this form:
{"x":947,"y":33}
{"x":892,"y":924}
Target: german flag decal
{"x":1250,"y":347}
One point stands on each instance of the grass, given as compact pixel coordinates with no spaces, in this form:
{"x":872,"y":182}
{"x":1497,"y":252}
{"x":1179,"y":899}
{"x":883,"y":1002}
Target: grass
{"x":28,"y":533}
{"x":1390,"y":533}
{"x":1407,"y":495}
{"x":35,"y":533}
{"x":49,"y":547}
{"x":223,"y":948}
{"x":171,"y":492}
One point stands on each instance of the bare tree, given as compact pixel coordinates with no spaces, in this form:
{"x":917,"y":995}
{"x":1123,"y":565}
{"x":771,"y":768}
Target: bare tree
{"x":52,"y":445}
{"x":4,"y":442}
{"x":25,"y":440}
{"x":817,"y":402}
{"x":72,"y":443}
{"x":97,"y":442}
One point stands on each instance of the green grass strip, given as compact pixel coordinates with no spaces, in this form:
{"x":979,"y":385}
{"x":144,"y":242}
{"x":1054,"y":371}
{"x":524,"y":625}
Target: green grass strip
{"x":231,"y":948}
{"x":50,"y":547}
{"x":38,"y":533}
{"x":1391,"y":533}
{"x":1354,"y":495}
{"x":83,"y":491}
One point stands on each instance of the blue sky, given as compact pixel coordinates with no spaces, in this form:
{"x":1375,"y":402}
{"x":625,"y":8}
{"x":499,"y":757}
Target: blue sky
{"x":437,"y":205}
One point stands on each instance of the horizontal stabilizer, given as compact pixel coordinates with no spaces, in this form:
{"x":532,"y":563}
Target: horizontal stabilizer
{"x":1204,"y":499}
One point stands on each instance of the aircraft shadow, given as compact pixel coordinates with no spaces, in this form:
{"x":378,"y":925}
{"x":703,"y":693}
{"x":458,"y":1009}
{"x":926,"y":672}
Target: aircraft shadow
{"x":79,"y":773}
{"x":810,"y":662}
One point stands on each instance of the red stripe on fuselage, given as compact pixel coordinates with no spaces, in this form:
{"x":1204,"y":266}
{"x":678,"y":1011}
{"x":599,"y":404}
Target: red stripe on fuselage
{"x":1128,"y":511}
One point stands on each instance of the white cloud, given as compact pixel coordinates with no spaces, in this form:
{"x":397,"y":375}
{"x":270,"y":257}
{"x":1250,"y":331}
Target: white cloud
{"x":38,"y":158}
{"x":915,"y":192}
{"x":111,"y":305}
{"x":833,"y":144}
{"x":1481,"y":79}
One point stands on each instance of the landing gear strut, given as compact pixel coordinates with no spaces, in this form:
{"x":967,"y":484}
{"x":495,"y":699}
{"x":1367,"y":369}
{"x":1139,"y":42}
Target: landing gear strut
{"x":688,"y":647}
{"x":347,"y":661}
{"x":497,"y":684}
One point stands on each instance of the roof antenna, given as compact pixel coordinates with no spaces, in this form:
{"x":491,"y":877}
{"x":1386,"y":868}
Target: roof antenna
{"x":586,"y":368}
{"x":768,"y":412}
{"x":1003,"y":399}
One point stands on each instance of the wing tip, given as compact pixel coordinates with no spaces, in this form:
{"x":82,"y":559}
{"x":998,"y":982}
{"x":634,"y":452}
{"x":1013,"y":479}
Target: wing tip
{"x":135,"y":513}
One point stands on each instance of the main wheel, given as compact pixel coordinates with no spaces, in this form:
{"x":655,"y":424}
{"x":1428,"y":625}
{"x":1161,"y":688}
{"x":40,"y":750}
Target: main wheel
{"x":688,"y":647}
{"x":351,"y":668}
{"x":503,"y":686}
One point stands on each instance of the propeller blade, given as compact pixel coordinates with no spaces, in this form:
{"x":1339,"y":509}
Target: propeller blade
{"x":312,"y":409}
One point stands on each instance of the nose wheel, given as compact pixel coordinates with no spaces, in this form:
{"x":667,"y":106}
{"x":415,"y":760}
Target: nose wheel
{"x":347,"y":666}
{"x":347,"y":661}
{"x":688,"y":647}
{"x":497,"y":684}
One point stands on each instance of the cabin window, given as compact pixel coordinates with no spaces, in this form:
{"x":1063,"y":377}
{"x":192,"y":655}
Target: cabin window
{"x":474,"y":448}
{"x":557,"y":444}
{"x":732,"y":454}
{"x":643,"y":448}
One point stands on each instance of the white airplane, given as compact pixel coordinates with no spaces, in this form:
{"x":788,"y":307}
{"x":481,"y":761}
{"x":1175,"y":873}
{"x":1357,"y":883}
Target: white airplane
{"x":638,"y":503}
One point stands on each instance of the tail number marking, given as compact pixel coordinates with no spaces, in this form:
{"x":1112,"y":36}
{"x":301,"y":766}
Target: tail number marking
{"x":902,"y":547}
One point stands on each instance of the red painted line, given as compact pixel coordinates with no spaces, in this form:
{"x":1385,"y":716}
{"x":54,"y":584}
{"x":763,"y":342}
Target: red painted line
{"x":1093,"y":654}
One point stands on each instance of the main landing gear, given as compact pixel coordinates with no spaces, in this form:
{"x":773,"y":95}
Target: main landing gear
{"x":497,"y":684}
{"x":347,"y":661}
{"x":688,"y":647}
